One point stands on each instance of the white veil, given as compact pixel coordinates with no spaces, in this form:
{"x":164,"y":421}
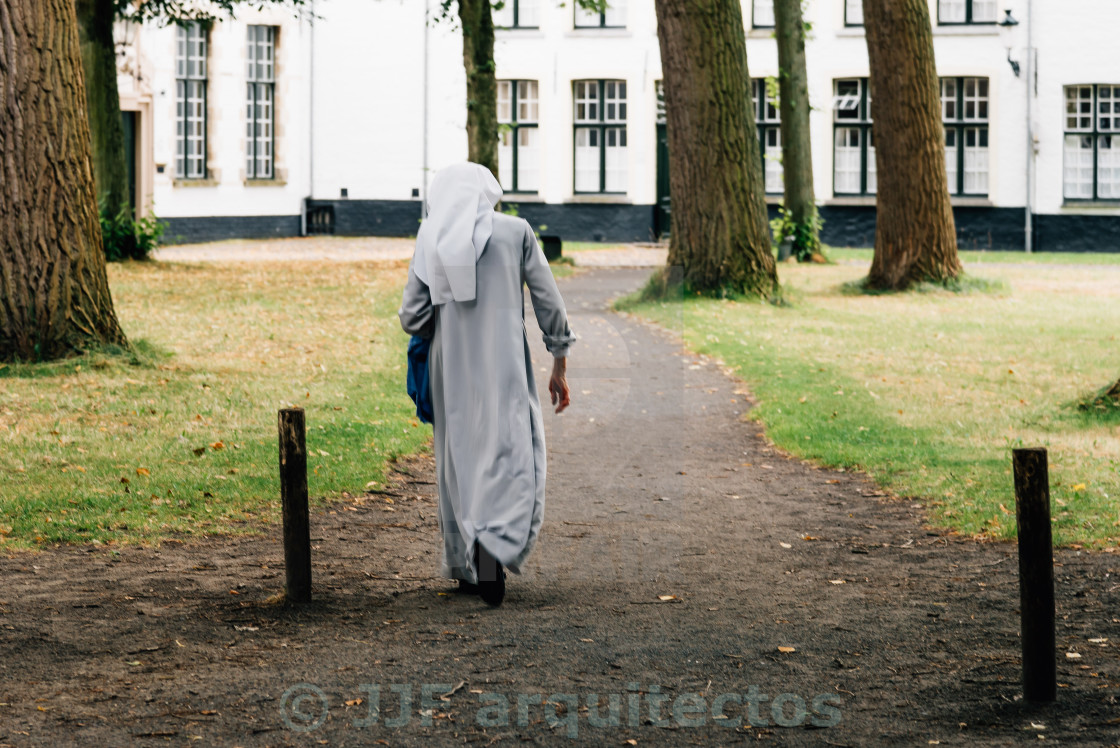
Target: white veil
{"x":460,"y":220}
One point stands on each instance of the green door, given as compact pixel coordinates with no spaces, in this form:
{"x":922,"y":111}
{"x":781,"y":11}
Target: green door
{"x":661,"y":212}
{"x":128,"y":124}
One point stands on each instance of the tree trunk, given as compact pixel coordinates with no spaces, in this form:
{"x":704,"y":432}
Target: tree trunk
{"x":797,"y":153}
{"x":103,"y":103}
{"x":54,"y":294}
{"x":720,"y":237}
{"x":915,"y":238}
{"x":482,"y":87}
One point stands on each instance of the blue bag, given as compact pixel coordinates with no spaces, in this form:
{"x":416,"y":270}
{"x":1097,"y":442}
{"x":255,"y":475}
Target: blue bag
{"x":419,"y":388}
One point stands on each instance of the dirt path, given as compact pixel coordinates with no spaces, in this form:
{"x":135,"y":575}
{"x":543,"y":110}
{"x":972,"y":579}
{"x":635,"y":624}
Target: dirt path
{"x":657,"y":488}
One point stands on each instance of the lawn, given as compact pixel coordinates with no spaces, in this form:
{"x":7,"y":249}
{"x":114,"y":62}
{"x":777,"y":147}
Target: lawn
{"x":180,"y":439}
{"x":928,"y":392}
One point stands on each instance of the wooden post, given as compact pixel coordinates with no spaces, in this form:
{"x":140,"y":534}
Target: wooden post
{"x":293,"y":501}
{"x":1036,"y":574}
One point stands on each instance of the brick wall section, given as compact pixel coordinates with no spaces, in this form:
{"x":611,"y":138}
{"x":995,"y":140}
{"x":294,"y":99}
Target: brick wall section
{"x":218,"y":228}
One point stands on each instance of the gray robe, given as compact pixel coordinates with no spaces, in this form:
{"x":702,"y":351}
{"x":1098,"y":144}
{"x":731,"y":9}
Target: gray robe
{"x":488,"y":431}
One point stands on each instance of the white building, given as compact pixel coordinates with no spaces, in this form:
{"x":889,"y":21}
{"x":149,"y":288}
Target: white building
{"x":271,"y":125}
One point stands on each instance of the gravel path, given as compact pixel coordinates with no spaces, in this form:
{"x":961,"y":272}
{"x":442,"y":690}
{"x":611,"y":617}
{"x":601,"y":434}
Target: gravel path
{"x":685,"y":567}
{"x":317,"y":248}
{"x":372,"y":249}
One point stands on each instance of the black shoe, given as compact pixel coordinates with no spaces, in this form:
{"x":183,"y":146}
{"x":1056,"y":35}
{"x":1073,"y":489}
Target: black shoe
{"x":467,"y":588}
{"x":491,"y":577}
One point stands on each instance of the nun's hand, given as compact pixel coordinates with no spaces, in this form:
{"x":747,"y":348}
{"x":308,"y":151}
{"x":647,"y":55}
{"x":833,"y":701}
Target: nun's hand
{"x":558,"y":385}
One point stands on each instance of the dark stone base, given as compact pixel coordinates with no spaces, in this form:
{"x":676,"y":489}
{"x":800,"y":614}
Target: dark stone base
{"x":589,"y":222}
{"x":375,"y":217}
{"x":844,"y":226}
{"x":977,"y":228}
{"x":218,"y":228}
{"x":1068,"y":233}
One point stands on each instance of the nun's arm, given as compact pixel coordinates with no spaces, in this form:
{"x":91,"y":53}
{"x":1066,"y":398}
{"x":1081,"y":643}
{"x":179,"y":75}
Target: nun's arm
{"x":416,"y":313}
{"x":548,"y":305}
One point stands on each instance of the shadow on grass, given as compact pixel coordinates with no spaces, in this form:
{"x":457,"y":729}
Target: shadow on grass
{"x":141,"y":353}
{"x":1101,"y":407}
{"x":964,"y":284}
{"x":666,"y":285}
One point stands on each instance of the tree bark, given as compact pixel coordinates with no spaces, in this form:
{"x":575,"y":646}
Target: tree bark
{"x":103,"y":103}
{"x":54,"y":293}
{"x":720,"y":237}
{"x":916,"y":238}
{"x":797,"y":152}
{"x":482,"y":86}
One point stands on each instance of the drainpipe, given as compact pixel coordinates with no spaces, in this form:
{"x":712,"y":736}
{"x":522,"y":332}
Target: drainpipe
{"x":310,"y":126}
{"x":424,"y":190}
{"x":1028,"y":236}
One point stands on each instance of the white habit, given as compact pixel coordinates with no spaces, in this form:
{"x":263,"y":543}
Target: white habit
{"x":466,"y":290}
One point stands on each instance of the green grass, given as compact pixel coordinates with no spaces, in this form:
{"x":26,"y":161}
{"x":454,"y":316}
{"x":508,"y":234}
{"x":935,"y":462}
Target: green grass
{"x":562,"y":268}
{"x":570,"y":246}
{"x":928,"y":392}
{"x":973,"y":257}
{"x":179,"y":436}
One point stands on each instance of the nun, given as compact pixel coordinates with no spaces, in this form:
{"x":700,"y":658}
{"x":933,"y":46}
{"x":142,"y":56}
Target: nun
{"x":465,"y":291}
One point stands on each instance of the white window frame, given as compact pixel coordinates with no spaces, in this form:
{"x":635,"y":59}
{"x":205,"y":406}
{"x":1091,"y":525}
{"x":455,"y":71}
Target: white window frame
{"x":518,"y":14}
{"x":965,"y":113}
{"x":851,"y":112}
{"x":260,"y":116}
{"x":967,"y":12}
{"x":768,"y":119}
{"x":1091,"y":143}
{"x":762,"y":14}
{"x":600,"y":115}
{"x":191,"y":126}
{"x":519,"y":122}
{"x":614,"y":17}
{"x":853,"y":12}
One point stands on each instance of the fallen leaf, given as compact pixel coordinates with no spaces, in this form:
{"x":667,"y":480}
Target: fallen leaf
{"x":1099,"y":640}
{"x":1079,"y":487}
{"x":143,"y":471}
{"x":666,"y":597}
{"x":1073,"y":655}
{"x":785,"y":545}
{"x":217,"y":445}
{"x":134,"y":663}
{"x":353,"y":702}
{"x":787,"y":649}
{"x":589,"y":641}
{"x":836,"y":581}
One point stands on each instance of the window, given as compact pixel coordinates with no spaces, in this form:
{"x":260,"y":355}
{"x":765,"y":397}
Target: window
{"x":517,"y":14}
{"x":190,"y":101}
{"x":613,"y":17}
{"x":519,"y":146}
{"x":853,"y":154}
{"x":769,"y":120}
{"x":964,"y":110}
{"x":1092,"y":143}
{"x":853,"y":12}
{"x":600,"y":136}
{"x":762,"y":14}
{"x":966,"y":11}
{"x":260,"y":131}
